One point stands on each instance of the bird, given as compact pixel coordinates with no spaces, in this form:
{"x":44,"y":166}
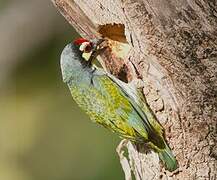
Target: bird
{"x":110,"y":102}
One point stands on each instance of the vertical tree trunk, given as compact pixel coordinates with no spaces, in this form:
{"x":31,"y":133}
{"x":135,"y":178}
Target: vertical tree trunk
{"x":172,"y":46}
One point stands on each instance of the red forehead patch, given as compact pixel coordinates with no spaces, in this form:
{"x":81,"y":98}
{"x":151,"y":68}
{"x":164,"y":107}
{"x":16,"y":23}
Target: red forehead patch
{"x":79,"y":41}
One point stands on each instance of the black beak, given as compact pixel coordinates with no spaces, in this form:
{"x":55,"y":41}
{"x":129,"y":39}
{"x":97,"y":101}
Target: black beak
{"x":96,"y":43}
{"x":96,"y":50}
{"x":100,"y":41}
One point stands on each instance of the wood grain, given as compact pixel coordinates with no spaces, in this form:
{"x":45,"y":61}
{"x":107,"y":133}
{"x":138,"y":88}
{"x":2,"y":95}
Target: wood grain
{"x":173,"y":49}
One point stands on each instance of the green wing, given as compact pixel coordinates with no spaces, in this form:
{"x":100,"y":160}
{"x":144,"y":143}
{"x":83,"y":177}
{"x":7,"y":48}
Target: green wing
{"x":128,"y":109}
{"x":138,"y":100}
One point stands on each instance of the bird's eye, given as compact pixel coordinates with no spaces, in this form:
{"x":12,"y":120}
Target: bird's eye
{"x":86,"y":47}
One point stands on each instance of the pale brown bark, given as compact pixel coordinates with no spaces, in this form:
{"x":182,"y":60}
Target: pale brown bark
{"x":173,"y":48}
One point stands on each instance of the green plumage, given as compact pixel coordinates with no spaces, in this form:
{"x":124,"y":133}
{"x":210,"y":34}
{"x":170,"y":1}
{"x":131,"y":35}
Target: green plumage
{"x":113,"y":104}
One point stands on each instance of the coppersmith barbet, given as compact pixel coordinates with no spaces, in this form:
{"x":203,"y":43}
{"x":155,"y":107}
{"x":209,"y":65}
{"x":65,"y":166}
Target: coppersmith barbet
{"x":111,"y":102}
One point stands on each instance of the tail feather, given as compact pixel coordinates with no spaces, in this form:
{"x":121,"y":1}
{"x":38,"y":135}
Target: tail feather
{"x":168,"y":159}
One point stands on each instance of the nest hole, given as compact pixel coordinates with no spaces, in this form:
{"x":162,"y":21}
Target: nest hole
{"x":113,"y":32}
{"x":118,"y":50}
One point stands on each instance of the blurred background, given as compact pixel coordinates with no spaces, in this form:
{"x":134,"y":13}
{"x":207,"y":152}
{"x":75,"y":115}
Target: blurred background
{"x":43,"y":134}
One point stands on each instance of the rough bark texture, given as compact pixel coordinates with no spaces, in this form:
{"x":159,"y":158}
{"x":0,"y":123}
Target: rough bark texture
{"x":173,"y":49}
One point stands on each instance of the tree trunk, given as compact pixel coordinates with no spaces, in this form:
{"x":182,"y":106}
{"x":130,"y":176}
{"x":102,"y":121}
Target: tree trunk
{"x":172,"y":46}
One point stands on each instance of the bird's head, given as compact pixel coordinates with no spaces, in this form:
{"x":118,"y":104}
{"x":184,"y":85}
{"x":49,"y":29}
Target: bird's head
{"x":84,"y":45}
{"x":72,"y":60}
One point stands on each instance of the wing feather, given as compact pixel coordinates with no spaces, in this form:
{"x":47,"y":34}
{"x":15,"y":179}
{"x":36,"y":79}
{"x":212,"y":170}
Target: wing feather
{"x":123,"y":102}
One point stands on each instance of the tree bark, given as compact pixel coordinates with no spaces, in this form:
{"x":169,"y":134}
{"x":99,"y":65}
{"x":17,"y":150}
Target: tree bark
{"x":172,"y":46}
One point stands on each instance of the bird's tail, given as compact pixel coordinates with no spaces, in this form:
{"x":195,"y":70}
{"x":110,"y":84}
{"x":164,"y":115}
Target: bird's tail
{"x":168,"y":159}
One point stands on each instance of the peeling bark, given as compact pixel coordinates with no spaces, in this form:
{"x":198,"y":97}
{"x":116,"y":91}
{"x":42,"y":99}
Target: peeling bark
{"x":173,"y":49}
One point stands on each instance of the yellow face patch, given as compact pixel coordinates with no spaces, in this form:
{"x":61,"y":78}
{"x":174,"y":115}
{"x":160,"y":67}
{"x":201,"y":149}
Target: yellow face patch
{"x":86,"y":56}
